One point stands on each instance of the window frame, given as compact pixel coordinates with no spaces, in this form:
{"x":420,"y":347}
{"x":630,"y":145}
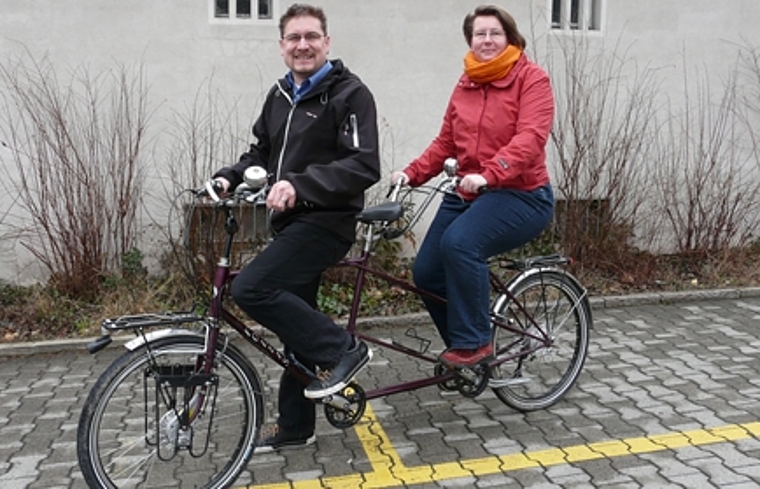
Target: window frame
{"x":586,"y":16}
{"x":233,"y":19}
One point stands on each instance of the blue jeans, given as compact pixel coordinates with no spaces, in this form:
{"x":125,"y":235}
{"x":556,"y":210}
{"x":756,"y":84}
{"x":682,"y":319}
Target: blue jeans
{"x":452,"y":261}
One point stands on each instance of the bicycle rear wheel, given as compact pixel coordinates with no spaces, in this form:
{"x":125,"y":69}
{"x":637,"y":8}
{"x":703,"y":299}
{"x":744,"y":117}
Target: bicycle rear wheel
{"x":152,"y":421}
{"x":538,"y":366}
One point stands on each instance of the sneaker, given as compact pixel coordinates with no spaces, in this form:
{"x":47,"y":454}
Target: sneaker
{"x":465,"y":357}
{"x":334,"y":380}
{"x":273,"y":438}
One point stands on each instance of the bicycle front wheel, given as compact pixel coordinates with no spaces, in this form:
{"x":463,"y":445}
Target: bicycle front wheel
{"x":542,"y":358}
{"x":153,"y":419}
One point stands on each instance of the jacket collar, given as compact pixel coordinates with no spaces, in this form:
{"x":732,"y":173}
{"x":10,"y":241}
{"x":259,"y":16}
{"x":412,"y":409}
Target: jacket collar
{"x":322,"y":84}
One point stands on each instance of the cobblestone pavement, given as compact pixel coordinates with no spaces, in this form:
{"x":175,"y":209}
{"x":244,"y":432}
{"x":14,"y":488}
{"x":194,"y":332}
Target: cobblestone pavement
{"x":669,"y":398}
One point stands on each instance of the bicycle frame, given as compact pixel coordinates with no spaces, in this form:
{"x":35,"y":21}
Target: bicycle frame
{"x":171,"y":378}
{"x":224,"y":275}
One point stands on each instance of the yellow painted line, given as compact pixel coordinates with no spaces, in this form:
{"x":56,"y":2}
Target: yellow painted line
{"x":388,"y":470}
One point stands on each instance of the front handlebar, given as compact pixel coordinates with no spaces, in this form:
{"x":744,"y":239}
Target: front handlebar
{"x":243,"y":193}
{"x":254,"y":187}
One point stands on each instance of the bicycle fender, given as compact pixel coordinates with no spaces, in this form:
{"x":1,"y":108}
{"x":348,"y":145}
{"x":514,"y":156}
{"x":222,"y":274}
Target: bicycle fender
{"x":152,"y":336}
{"x":502,"y":298}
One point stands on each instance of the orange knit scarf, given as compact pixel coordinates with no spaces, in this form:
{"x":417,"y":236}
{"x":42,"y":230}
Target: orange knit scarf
{"x":495,"y":69}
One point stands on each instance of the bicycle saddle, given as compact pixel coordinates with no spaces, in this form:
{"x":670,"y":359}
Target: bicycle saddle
{"x":387,"y":211}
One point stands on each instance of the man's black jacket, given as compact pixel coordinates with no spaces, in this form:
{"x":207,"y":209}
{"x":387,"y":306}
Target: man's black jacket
{"x":325,"y":145}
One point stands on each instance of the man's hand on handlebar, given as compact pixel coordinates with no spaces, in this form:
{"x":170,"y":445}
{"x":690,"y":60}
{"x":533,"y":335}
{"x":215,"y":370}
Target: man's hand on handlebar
{"x":219,"y":190}
{"x":224,"y":184}
{"x":281,"y":196}
{"x":213,"y":189}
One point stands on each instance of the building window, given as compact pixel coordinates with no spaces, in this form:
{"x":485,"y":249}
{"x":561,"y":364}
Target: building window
{"x":576,"y":15}
{"x":242,"y":10}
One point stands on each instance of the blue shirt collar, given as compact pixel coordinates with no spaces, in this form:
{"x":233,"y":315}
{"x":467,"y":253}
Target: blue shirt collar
{"x":309,"y":83}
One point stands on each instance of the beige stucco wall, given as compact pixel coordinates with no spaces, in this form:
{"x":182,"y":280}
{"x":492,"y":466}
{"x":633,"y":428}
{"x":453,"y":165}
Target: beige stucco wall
{"x":408,"y":52}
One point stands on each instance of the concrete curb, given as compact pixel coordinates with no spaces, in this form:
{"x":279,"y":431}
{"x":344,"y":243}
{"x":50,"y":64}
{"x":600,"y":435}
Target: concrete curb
{"x":421,"y":318}
{"x":672,"y":297}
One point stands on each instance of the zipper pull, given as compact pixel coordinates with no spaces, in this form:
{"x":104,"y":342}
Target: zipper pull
{"x":354,"y":130}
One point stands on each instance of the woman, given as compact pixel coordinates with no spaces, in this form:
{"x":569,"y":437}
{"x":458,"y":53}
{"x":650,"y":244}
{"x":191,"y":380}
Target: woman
{"x":496,"y":125}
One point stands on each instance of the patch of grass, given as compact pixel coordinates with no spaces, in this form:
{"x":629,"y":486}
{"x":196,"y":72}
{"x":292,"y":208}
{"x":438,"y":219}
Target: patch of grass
{"x":40,"y":312}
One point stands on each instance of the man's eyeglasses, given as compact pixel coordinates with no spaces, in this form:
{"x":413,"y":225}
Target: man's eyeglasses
{"x":494,"y":34}
{"x":310,"y":37}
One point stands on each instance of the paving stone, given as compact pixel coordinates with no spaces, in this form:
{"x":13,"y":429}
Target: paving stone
{"x":656,"y":368}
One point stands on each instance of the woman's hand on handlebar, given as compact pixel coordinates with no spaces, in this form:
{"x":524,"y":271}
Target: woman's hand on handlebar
{"x":399,"y":178}
{"x":473,"y":183}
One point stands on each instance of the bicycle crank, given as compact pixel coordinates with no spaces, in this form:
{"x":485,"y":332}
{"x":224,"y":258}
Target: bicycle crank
{"x":345,"y":408}
{"x":474,"y":380}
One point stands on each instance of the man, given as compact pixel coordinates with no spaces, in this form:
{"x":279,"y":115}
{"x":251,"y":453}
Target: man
{"x":317,"y":137}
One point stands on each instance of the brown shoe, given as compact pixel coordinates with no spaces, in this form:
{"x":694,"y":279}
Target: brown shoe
{"x":465,"y":357}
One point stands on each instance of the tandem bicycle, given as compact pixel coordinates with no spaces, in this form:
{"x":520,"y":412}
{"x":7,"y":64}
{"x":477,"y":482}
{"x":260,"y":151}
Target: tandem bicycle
{"x":182,"y":407}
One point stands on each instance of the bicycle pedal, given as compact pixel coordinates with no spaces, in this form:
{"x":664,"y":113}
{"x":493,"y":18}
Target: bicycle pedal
{"x":336,"y":401}
{"x":473,"y":380}
{"x":350,"y":389}
{"x":498,"y":383}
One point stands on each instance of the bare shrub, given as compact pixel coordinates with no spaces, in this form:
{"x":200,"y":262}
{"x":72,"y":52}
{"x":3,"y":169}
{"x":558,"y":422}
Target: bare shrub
{"x":600,"y":140}
{"x":748,"y":74}
{"x":75,"y":145}
{"x":707,"y":173}
{"x":205,"y":136}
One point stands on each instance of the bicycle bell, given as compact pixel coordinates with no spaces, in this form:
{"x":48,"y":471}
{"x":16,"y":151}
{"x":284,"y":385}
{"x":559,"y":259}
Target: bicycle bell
{"x":255,"y":176}
{"x":450,"y":167}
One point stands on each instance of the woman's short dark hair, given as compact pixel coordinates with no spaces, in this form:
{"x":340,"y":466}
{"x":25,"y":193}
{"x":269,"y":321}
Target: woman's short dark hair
{"x":507,"y":23}
{"x":303,"y":10}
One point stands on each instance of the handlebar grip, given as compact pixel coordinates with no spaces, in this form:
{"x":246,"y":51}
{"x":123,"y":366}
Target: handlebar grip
{"x":211,"y":188}
{"x":481,"y":190}
{"x":394,"y":190}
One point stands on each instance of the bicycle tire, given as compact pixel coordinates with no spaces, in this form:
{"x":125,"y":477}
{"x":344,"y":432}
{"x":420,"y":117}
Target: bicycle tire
{"x":118,"y":443}
{"x":539,"y":375}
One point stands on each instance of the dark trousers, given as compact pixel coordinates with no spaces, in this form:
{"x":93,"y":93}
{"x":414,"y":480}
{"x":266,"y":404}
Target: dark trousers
{"x":279,"y":289}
